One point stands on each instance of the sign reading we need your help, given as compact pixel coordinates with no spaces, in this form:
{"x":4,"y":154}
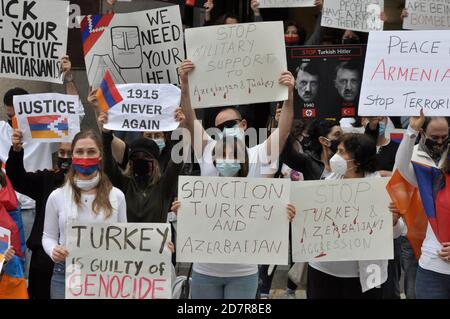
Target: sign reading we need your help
{"x":118,"y":261}
{"x":145,"y":107}
{"x":233,"y":220}
{"x":339,"y":220}
{"x":33,"y":39}
{"x":427,"y":15}
{"x":357,"y":15}
{"x":138,"y":47}
{"x":285,"y":3}
{"x":405,"y":72}
{"x":236,"y":64}
{"x":48,"y":117}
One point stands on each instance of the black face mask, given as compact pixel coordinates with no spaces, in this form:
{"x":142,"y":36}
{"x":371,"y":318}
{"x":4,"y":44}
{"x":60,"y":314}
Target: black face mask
{"x":64,"y":163}
{"x":10,"y":122}
{"x":334,"y":146}
{"x":141,"y":167}
{"x":433,"y":148}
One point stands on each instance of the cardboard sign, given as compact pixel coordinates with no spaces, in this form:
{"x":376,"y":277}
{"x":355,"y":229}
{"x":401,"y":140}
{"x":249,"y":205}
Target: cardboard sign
{"x":340,"y":220}
{"x":405,"y":72}
{"x":138,"y":47}
{"x":236,"y":64}
{"x":118,"y":261}
{"x":48,"y":117}
{"x":33,"y":39}
{"x":146,"y":107}
{"x":360,"y":15}
{"x":285,"y":3}
{"x":327,"y":80}
{"x":233,"y":220}
{"x":427,"y":15}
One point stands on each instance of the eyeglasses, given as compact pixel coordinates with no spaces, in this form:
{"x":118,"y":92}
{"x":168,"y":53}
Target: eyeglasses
{"x":228,"y":124}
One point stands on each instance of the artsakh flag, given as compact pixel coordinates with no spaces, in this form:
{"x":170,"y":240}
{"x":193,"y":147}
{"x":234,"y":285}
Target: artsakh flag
{"x":107,"y":94}
{"x":92,"y":28}
{"x":48,"y":126}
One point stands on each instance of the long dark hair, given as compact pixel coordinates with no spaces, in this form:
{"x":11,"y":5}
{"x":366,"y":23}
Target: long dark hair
{"x":104,"y":187}
{"x":363,"y":150}
{"x":319,"y":128}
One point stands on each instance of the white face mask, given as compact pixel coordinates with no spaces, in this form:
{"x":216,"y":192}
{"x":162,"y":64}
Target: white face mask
{"x":338,"y":164}
{"x":87,"y":185}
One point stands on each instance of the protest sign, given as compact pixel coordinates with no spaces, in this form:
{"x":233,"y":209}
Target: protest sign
{"x":427,"y":15}
{"x":138,"y":47}
{"x":48,"y":117}
{"x":327,"y":80}
{"x":361,"y":15}
{"x":233,"y":220}
{"x":236,"y":64}
{"x":33,"y":39}
{"x":118,"y":261}
{"x":285,"y":3}
{"x":145,"y":107}
{"x":5,"y":242}
{"x":339,"y":220}
{"x":405,"y":72}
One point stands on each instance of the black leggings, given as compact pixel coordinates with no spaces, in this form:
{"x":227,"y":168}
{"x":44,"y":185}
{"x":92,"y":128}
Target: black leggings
{"x":324,"y":286}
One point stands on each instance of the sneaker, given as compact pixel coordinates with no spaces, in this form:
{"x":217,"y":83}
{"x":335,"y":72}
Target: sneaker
{"x":264,"y":296}
{"x":288,"y":294}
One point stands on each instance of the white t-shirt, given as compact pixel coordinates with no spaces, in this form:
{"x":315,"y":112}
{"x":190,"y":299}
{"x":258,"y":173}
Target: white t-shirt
{"x":259,"y":166}
{"x":430,"y":259}
{"x":56,"y":216}
{"x":37,"y":156}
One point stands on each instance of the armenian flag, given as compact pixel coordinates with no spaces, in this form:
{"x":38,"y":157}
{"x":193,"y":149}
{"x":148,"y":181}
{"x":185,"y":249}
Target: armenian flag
{"x":107,"y":93}
{"x":48,"y":126}
{"x":92,"y":28}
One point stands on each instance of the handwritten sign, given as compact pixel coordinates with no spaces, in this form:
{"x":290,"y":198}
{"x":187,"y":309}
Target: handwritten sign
{"x":118,"y":261}
{"x":427,"y":15}
{"x":33,"y":39}
{"x":146,"y":107}
{"x":285,"y":3}
{"x":341,"y":220}
{"x":5,"y":242}
{"x":361,"y":15}
{"x":233,"y":220}
{"x":327,"y":80}
{"x":138,"y":47}
{"x":48,"y":117}
{"x":405,"y":72}
{"x":236,"y":64}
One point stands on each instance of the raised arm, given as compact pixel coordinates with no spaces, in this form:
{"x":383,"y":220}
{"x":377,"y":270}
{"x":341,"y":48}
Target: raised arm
{"x":317,"y":35}
{"x":198,"y":136}
{"x":277,"y":140}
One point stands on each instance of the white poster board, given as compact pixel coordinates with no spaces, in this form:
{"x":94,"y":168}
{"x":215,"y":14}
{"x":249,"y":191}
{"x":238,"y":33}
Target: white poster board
{"x":427,"y":15}
{"x":5,"y":243}
{"x":48,"y":117}
{"x":138,"y":47}
{"x":341,"y":220}
{"x":236,"y":64}
{"x":285,"y":3}
{"x":118,"y":261}
{"x":360,"y":15}
{"x":404,"y":72}
{"x":33,"y":39}
{"x":145,"y":107}
{"x":233,"y":220}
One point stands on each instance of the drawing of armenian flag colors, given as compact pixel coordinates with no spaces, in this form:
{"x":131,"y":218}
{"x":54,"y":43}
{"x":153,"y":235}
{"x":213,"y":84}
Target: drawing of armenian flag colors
{"x":48,"y":126}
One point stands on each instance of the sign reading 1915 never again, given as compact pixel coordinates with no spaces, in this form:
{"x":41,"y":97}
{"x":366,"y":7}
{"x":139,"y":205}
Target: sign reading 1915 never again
{"x":405,"y":72}
{"x":33,"y":39}
{"x":233,"y":220}
{"x":236,"y":64}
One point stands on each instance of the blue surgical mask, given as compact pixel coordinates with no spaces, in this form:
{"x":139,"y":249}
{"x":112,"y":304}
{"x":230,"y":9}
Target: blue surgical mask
{"x":228,"y":168}
{"x":160,"y":142}
{"x":381,"y":128}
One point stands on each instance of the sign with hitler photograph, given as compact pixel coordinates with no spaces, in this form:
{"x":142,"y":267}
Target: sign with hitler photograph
{"x":327,"y":80}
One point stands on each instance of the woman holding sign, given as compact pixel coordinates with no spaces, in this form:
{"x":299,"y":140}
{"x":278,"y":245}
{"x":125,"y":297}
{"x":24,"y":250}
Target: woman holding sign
{"x":87,"y":196}
{"x":355,"y":158}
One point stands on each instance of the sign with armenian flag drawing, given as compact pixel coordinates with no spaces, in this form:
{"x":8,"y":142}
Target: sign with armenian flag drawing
{"x":48,"y":117}
{"x":138,"y":47}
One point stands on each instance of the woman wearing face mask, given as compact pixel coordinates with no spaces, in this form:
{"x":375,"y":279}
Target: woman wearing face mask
{"x":293,"y":34}
{"x":227,"y":281}
{"x":38,"y":186}
{"x":314,"y":162}
{"x":87,"y":197}
{"x":427,"y":166}
{"x":355,"y":158}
